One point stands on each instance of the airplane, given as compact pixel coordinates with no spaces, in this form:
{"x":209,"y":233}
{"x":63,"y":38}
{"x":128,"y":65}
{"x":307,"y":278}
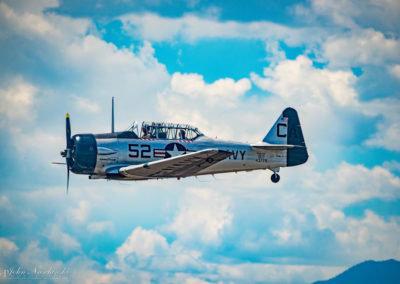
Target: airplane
{"x":160,"y":150}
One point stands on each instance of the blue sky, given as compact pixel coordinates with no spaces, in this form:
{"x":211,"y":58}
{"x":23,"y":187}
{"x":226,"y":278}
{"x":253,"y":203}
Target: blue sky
{"x":230,"y":69}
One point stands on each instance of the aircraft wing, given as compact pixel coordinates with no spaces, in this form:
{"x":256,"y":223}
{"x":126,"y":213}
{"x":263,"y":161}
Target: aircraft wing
{"x":178,"y":166}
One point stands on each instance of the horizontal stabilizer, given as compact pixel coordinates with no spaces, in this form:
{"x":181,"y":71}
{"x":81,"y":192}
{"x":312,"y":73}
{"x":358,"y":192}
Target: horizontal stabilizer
{"x":268,"y":147}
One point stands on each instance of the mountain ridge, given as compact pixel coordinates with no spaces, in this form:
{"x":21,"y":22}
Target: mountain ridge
{"x":370,"y":271}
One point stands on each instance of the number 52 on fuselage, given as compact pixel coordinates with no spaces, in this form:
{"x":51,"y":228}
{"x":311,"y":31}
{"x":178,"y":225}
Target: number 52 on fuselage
{"x":167,"y":150}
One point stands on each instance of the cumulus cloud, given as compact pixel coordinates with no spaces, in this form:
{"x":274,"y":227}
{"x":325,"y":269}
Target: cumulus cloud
{"x":203,"y":217}
{"x":378,"y":14}
{"x":62,"y":240}
{"x":299,"y":79}
{"x":191,"y":28}
{"x":90,"y":72}
{"x":274,"y":53}
{"x":80,"y":213}
{"x":388,"y":128}
{"x":319,"y":95}
{"x":37,"y":143}
{"x":359,"y":237}
{"x":99,"y":227}
{"x":395,"y":71}
{"x":191,"y":100}
{"x":364,"y":47}
{"x":77,"y":269}
{"x":148,"y":250}
{"x":393,"y":166}
{"x":156,"y":255}
{"x":222,"y":91}
{"x":277,"y":220}
{"x":85,"y":104}
{"x":196,"y":234}
{"x":349,"y":184}
{"x":7,"y":246}
{"x":30,"y":21}
{"x":17,"y":102}
{"x":327,"y":99}
{"x":35,"y":256}
{"x":140,"y":246}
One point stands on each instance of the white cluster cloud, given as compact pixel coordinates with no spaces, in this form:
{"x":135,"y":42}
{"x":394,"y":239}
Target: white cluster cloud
{"x":298,"y":81}
{"x":203,"y":217}
{"x":395,"y":71}
{"x":221,"y":92}
{"x":191,"y":100}
{"x":147,"y":250}
{"x":93,"y":70}
{"x":350,"y":184}
{"x":62,"y":240}
{"x":326,"y":100}
{"x":78,"y":269}
{"x":7,"y":246}
{"x":33,"y":256}
{"x":17,"y":102}
{"x":319,"y":95}
{"x":100,"y":227}
{"x":364,"y":47}
{"x":140,"y":246}
{"x":359,"y":237}
{"x":204,"y":221}
{"x":322,"y":96}
{"x":352,"y":14}
{"x":191,"y":28}
{"x":79,"y":214}
{"x":388,"y":128}
{"x":31,"y":23}
{"x":393,"y":166}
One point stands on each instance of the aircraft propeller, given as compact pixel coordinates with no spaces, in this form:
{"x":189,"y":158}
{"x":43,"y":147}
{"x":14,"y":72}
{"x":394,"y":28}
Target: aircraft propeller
{"x":67,"y":153}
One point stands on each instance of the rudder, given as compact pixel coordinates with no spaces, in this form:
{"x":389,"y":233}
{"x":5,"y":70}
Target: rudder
{"x":297,"y":155}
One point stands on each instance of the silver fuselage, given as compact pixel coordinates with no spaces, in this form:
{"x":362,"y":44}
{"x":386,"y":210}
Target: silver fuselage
{"x":112,"y":153}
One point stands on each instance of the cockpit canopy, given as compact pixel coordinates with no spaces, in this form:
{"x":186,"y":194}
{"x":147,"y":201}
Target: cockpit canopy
{"x":167,"y":131}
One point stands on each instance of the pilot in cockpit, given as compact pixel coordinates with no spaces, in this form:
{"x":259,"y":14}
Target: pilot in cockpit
{"x":182,"y":134}
{"x":145,"y":133}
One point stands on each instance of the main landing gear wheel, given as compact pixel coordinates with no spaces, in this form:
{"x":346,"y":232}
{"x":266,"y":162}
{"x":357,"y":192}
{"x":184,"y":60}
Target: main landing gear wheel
{"x":275,"y":178}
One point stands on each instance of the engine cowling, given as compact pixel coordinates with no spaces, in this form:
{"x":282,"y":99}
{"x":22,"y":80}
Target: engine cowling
{"x":84,"y":154}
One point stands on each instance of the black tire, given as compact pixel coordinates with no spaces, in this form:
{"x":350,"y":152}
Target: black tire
{"x":275,"y":178}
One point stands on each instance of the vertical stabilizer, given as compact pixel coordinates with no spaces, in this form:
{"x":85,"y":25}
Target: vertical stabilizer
{"x":287,"y":130}
{"x":278,"y":132}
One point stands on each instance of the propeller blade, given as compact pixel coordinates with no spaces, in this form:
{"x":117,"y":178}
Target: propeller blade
{"x":68,"y":151}
{"x":67,"y":178}
{"x":68,"y":131}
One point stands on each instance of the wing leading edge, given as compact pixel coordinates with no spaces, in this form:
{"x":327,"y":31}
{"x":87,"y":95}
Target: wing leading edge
{"x":178,"y":166}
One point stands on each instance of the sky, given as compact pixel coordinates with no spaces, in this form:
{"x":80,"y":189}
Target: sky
{"x":229,"y":68}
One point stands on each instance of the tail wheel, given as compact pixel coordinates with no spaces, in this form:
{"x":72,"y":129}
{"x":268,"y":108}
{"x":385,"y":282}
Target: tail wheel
{"x":275,"y":178}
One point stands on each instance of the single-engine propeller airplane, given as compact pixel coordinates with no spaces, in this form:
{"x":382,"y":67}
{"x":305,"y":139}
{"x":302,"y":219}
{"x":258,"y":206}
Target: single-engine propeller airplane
{"x":167,"y":150}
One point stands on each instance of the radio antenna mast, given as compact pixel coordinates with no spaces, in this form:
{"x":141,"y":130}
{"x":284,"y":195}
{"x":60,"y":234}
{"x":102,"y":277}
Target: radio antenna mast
{"x":112,"y":115}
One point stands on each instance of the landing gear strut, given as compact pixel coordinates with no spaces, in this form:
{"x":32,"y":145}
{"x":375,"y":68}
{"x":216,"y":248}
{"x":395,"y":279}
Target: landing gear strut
{"x":275,"y":178}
